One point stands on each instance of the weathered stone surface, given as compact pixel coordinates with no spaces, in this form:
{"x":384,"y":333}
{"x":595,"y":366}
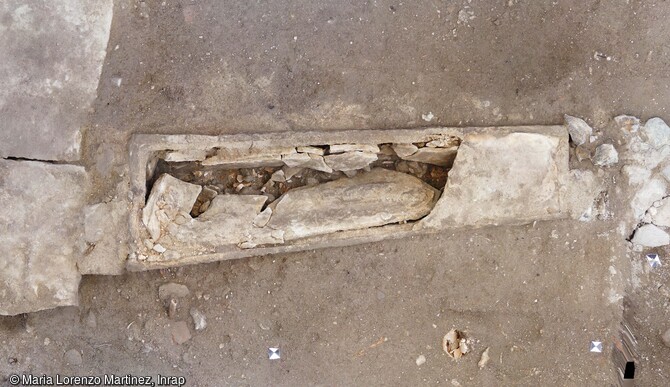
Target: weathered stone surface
{"x":311,"y":149}
{"x":106,"y":233}
{"x":636,"y":175}
{"x":340,"y":148}
{"x":605,"y":156}
{"x":278,"y":176}
{"x":581,"y":188}
{"x":645,"y":197}
{"x":190,"y":155}
{"x":169,"y":197}
{"x":656,"y":133}
{"x":238,"y":156}
{"x":499,"y":180}
{"x":52,"y":55}
{"x":580,"y":131}
{"x":662,"y":215}
{"x":650,"y":235}
{"x":263,"y":218}
{"x":306,"y":160}
{"x":229,"y":220}
{"x":443,"y":157}
{"x":42,"y":228}
{"x":369,"y":199}
{"x":350,"y":161}
{"x":404,"y":150}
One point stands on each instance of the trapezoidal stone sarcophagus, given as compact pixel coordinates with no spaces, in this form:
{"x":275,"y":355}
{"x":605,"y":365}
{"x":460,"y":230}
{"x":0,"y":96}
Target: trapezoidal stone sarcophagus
{"x":206,"y":198}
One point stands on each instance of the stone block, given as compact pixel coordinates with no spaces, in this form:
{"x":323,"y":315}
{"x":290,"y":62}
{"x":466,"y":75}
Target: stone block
{"x":503,"y":179}
{"x":52,"y":54}
{"x":501,"y":175}
{"x":42,"y":227}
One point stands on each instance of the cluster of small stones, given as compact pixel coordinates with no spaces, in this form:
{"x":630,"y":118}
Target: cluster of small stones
{"x":647,"y":170}
{"x":581,"y":135}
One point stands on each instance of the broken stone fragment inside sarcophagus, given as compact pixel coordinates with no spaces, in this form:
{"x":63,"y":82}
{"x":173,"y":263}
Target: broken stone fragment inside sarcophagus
{"x":369,"y":199}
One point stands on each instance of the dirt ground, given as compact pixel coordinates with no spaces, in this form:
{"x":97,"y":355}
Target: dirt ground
{"x":535,"y":295}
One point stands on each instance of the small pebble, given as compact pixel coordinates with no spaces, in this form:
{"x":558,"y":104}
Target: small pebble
{"x":199,"y":320}
{"x":172,"y":309}
{"x":666,"y":338}
{"x":484,"y":359}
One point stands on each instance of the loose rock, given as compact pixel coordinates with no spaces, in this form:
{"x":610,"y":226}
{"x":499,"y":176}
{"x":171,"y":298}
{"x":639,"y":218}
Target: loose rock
{"x":278,"y":176}
{"x":580,"y":131}
{"x":421,"y":360}
{"x":454,"y":344}
{"x":656,"y":133}
{"x":289,"y":172}
{"x":199,"y":320}
{"x":650,"y":235}
{"x":169,"y":196}
{"x":605,"y":156}
{"x":172,"y":290}
{"x":484,"y":359}
{"x":666,"y":338}
{"x":404,"y":150}
{"x":341,"y":148}
{"x":427,"y":117}
{"x":350,"y":161}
